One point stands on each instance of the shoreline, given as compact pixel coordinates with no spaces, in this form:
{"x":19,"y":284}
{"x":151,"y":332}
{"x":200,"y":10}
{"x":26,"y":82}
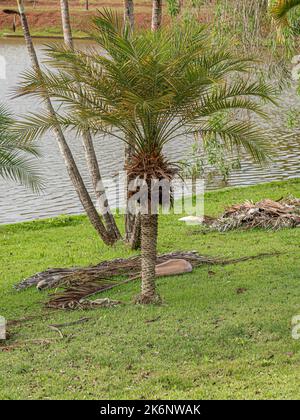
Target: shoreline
{"x":17,"y":36}
{"x":81,"y":216}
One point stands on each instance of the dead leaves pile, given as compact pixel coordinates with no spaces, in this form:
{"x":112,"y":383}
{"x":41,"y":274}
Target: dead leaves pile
{"x":265,"y":214}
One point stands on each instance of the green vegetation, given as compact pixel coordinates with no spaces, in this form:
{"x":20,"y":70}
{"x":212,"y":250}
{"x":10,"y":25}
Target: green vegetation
{"x":16,"y":156}
{"x":51,"y":32}
{"x":224,"y":332}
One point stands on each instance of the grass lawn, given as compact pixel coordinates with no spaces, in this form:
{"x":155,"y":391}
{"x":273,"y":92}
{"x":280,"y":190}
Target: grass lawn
{"x":208,"y":340}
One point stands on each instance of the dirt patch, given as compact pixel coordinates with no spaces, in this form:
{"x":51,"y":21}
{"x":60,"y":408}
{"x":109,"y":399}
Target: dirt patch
{"x":46,"y":15}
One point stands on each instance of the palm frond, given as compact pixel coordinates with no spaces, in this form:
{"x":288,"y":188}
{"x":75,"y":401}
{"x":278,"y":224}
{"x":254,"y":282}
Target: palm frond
{"x":149,"y":87}
{"x":240,"y":135}
{"x":16,"y":156}
{"x":281,"y":9}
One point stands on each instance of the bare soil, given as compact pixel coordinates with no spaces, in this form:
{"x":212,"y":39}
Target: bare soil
{"x":45,"y":16}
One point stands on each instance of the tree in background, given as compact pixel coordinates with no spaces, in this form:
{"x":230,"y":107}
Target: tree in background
{"x":286,"y":14}
{"x":151,"y":87}
{"x":129,"y":13}
{"x":65,"y":150}
{"x":156,"y":15}
{"x":90,"y":154}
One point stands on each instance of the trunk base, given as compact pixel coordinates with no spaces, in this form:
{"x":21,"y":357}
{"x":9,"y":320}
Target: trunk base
{"x":148,"y":300}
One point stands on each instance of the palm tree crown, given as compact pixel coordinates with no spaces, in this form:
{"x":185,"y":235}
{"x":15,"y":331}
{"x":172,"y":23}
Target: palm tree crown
{"x":149,"y":88}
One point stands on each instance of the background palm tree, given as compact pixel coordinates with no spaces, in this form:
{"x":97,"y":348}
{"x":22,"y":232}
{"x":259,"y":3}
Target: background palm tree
{"x":90,"y":154}
{"x":16,"y":161}
{"x":65,"y":150}
{"x":156,"y":14}
{"x":151,"y":87}
{"x":129,"y":12}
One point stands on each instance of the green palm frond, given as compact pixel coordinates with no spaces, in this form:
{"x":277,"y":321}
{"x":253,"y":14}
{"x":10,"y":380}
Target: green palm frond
{"x":149,"y":87}
{"x":240,"y":135}
{"x":16,"y":157}
{"x":281,"y":8}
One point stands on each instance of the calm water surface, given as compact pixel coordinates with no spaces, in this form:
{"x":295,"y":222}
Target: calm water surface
{"x":18,"y":204}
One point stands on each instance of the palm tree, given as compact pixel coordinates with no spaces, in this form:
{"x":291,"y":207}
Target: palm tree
{"x":129,"y":13}
{"x":88,"y":145}
{"x":73,"y":171}
{"x":156,"y":14}
{"x":15,"y":155}
{"x":151,"y":87}
{"x":281,"y":8}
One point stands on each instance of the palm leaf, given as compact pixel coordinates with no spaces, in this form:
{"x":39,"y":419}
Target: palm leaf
{"x":149,"y":87}
{"x":281,"y":8}
{"x":16,"y":156}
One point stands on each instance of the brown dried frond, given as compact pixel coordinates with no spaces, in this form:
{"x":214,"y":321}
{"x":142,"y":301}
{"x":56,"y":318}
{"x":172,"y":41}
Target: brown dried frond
{"x":151,"y":166}
{"x":265,"y":214}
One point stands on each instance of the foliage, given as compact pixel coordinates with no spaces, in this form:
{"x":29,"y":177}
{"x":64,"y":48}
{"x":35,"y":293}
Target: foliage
{"x":244,"y":20}
{"x":173,"y":7}
{"x":281,"y":8}
{"x":293,"y":117}
{"x":209,"y":158}
{"x":286,"y":13}
{"x":15,"y":161}
{"x":248,"y":26}
{"x":217,"y":153}
{"x":150,"y":87}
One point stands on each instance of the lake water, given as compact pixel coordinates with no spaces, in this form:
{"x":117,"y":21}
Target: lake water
{"x":18,"y":204}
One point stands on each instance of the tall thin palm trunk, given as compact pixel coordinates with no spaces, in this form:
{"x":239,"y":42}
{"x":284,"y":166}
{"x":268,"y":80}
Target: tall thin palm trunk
{"x":89,"y":149}
{"x":129,"y":13}
{"x":132,"y":221}
{"x":73,"y":171}
{"x":149,"y":227}
{"x":156,"y":15}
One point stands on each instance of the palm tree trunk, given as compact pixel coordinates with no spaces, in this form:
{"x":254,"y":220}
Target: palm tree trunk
{"x":73,"y":171}
{"x":99,"y":190}
{"x":129,"y":13}
{"x":132,"y":221}
{"x":89,"y":149}
{"x":156,"y":15}
{"x":180,"y":5}
{"x":66,"y":24}
{"x":133,"y":231}
{"x":149,"y":227}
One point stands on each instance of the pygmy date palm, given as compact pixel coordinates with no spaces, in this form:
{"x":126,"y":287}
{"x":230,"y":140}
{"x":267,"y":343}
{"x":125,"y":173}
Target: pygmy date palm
{"x":150,"y":87}
{"x":16,"y":161}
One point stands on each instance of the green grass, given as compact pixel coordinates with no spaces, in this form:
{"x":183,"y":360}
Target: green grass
{"x":209,"y":342}
{"x":51,"y":32}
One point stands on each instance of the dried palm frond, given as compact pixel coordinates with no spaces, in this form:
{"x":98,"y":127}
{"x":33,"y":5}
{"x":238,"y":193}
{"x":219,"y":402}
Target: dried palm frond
{"x":266,"y":214}
{"x":151,"y":166}
{"x":106,"y":272}
{"x":78,"y":284}
{"x":72,"y":304}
